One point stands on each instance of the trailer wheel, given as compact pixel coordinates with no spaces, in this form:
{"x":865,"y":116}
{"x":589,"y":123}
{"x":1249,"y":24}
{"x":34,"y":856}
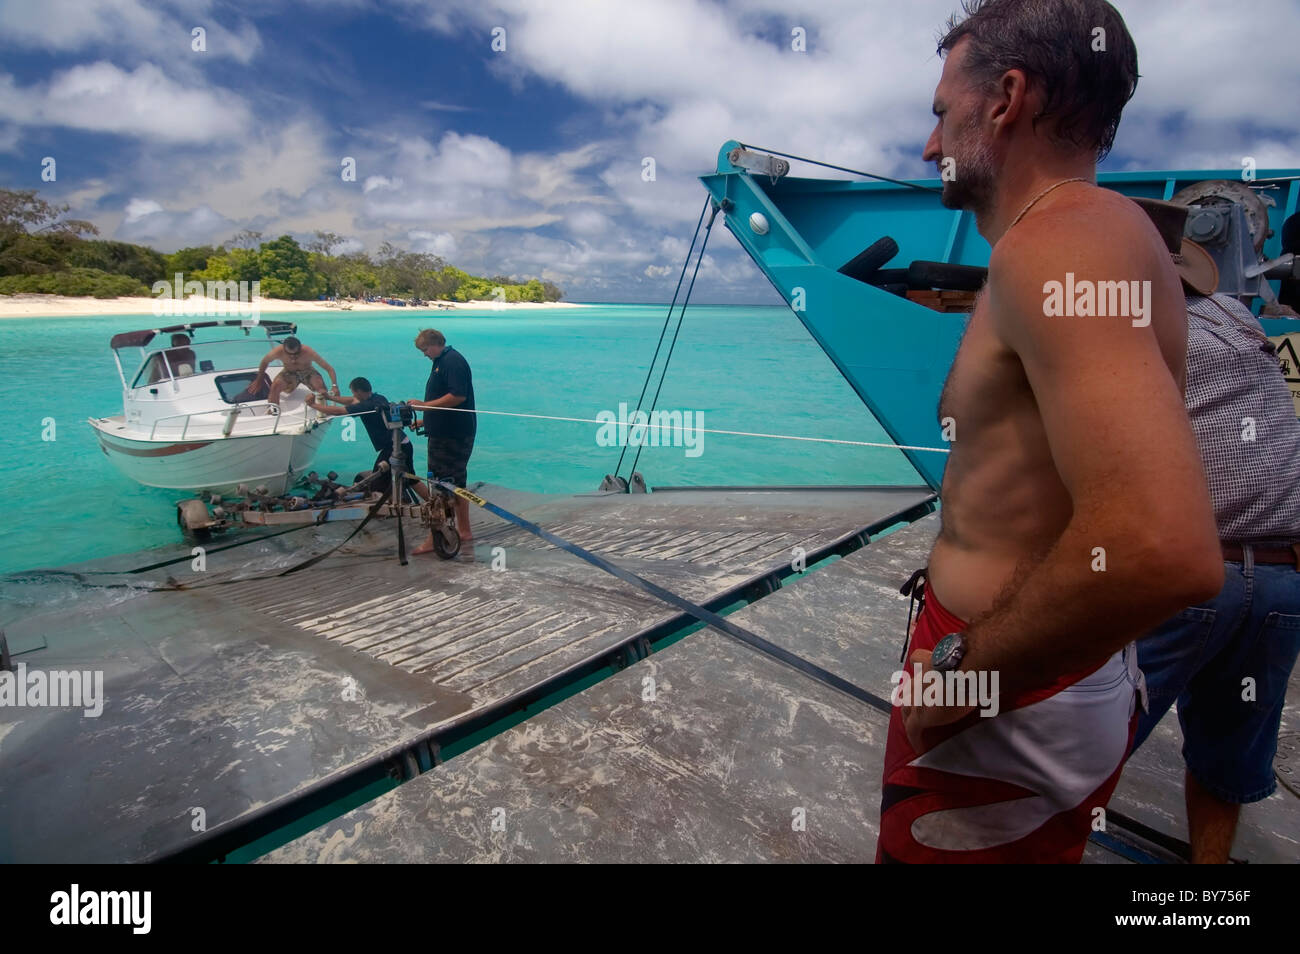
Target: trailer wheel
{"x":446,"y":542}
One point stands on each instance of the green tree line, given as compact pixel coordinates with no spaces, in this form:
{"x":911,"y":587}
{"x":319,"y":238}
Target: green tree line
{"x":43,"y":252}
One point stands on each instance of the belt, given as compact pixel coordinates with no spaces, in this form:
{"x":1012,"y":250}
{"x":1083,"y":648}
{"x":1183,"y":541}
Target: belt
{"x":1234,"y":553}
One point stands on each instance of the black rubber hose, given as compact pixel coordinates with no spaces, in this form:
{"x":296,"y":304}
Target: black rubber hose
{"x":869,"y":261}
{"x":947,"y":276}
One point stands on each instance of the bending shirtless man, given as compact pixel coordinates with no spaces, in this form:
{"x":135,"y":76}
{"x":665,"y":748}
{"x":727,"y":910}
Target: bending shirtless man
{"x":1075,"y":510}
{"x":297,"y":360}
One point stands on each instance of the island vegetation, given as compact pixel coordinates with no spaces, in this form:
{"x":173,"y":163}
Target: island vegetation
{"x":44,"y":252}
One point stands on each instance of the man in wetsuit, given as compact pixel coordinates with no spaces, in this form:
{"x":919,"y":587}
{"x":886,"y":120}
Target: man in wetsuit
{"x":1075,"y":511}
{"x":449,"y":421}
{"x":373,"y":410}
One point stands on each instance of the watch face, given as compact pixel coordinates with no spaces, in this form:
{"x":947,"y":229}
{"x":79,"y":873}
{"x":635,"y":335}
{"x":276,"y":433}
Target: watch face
{"x":946,"y":653}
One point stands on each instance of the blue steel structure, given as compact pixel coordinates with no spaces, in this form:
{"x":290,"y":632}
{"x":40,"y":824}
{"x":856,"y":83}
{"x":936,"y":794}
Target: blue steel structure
{"x":893,"y":352}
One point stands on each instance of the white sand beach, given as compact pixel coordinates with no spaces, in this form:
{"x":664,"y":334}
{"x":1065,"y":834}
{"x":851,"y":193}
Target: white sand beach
{"x":61,"y":306}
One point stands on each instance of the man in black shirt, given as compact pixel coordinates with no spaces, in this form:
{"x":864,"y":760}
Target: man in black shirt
{"x":373,"y":411}
{"x":451,"y":432}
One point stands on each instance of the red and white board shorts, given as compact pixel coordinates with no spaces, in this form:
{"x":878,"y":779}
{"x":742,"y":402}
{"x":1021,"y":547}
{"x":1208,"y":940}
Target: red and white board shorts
{"x":1022,"y":786}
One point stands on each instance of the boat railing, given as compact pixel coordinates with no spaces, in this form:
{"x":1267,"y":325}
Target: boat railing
{"x":232,"y":414}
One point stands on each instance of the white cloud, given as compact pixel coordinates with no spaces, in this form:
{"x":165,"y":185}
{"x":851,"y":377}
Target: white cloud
{"x":9,"y":135}
{"x":380,"y":182}
{"x":587,"y":221}
{"x":682,"y":76}
{"x":144,"y":103}
{"x":436,"y":106}
{"x":675,"y":79}
{"x":130,"y":26}
{"x":671,"y":80}
{"x":470,"y":183}
{"x":149,"y":223}
{"x":139,"y":208}
{"x":442,"y":244}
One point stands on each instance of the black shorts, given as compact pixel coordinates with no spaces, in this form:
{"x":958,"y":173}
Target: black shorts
{"x":449,"y":458}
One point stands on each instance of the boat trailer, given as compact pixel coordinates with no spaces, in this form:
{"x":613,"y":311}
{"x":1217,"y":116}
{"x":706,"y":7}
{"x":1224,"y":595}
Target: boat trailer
{"x":202,"y":516}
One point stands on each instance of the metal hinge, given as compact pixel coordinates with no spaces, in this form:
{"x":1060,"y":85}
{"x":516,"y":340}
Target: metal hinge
{"x":759,"y":162}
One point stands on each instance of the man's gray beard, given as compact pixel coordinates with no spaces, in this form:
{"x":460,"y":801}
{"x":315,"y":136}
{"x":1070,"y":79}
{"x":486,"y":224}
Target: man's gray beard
{"x":973,"y":187}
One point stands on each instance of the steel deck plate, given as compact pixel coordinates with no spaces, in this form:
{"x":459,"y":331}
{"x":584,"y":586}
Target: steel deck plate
{"x":243,"y":691}
{"x":733,"y":749}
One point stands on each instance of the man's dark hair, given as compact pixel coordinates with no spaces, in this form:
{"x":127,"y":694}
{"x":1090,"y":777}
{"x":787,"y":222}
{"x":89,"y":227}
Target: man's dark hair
{"x":1052,"y":41}
{"x":360,"y":384}
{"x":291,"y":344}
{"x":179,"y":339}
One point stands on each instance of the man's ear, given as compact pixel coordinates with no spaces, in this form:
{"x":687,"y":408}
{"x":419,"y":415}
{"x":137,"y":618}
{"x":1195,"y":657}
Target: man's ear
{"x":1012,"y":100}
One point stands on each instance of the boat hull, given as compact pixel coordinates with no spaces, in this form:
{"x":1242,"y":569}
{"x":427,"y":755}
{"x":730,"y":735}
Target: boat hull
{"x":216,"y":464}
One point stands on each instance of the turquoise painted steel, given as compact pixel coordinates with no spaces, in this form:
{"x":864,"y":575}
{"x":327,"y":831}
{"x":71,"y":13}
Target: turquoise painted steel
{"x":893,"y":352}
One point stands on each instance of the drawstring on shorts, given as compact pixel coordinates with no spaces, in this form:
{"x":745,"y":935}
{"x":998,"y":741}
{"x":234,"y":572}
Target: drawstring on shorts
{"x":915,"y":588}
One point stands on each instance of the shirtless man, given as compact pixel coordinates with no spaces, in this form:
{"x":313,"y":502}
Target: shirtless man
{"x":297,"y":360}
{"x":1075,"y":510}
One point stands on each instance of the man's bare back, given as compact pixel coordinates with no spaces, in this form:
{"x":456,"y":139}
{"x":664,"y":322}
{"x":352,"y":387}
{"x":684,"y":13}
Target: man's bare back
{"x":1004,"y":503}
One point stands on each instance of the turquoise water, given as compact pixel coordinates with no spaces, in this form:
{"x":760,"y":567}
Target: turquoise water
{"x":747,"y":368}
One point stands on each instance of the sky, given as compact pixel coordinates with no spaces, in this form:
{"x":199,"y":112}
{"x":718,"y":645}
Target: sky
{"x":526,"y":159}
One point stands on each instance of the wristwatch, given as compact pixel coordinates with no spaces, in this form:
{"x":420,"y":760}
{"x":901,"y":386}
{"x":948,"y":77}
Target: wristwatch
{"x":949,"y":652}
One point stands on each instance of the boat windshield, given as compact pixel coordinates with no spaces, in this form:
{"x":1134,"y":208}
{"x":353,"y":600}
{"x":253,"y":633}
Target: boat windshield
{"x":203,"y":357}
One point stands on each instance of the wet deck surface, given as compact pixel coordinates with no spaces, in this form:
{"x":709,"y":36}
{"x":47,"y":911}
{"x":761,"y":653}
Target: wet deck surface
{"x":732,"y":751}
{"x":243,"y":691}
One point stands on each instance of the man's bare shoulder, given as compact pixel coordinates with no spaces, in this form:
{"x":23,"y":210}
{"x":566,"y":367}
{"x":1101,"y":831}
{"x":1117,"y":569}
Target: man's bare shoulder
{"x":1095,"y":235}
{"x":1093,"y":225}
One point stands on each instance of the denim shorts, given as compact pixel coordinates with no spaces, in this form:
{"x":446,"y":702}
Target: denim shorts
{"x":1227,"y":664}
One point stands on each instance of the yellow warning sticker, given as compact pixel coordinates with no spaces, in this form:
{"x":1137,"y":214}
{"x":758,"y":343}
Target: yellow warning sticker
{"x":460,"y":492}
{"x":1288,"y":356}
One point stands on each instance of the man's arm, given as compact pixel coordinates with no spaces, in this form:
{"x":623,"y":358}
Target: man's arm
{"x":316,"y":358}
{"x":346,"y":400}
{"x":447,"y":400}
{"x":457,"y":389}
{"x":1124,"y":449}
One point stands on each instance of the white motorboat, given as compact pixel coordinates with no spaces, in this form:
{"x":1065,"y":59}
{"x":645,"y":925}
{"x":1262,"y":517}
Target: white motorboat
{"x":191,"y":415}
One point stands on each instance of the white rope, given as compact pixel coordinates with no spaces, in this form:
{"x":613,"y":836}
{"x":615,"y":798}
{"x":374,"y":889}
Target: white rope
{"x":632,"y":427}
